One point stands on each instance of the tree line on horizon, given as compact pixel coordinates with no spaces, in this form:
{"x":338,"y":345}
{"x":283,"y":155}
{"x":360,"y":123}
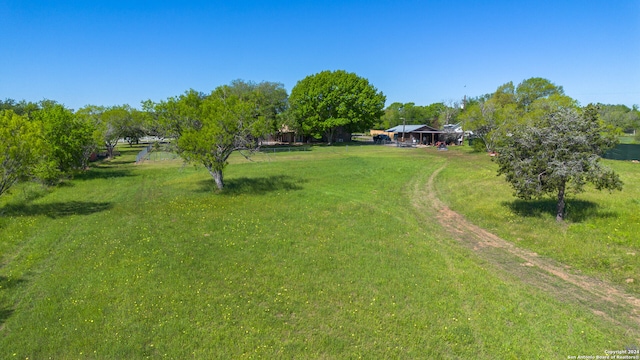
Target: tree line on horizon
{"x":492,"y":116}
{"x":48,"y":142}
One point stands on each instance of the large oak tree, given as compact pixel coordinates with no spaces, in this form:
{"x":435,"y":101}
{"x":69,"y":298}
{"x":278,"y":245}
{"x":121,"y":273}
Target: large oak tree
{"x":323,"y":102}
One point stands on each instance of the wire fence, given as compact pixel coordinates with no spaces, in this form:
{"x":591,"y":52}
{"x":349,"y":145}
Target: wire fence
{"x":161,"y":155}
{"x":156,"y":152}
{"x":284,"y":149}
{"x":142,"y":154}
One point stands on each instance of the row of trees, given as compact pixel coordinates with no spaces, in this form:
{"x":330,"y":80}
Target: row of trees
{"x":433,"y":115}
{"x":45,"y":141}
{"x":492,"y":116}
{"x":48,"y":142}
{"x":622,"y":117}
{"x":209,"y":127}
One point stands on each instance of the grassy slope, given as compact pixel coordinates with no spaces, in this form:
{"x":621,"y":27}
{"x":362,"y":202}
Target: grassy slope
{"x":315,"y":254}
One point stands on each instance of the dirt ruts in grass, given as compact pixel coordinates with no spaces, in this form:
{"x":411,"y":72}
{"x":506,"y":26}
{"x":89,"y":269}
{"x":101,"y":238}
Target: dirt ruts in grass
{"x":602,"y":298}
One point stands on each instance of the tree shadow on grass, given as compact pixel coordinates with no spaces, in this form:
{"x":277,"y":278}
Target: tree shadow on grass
{"x":4,"y":315}
{"x":103,"y":172}
{"x":55,"y":210}
{"x":116,"y":161}
{"x":6,"y":284}
{"x":575,"y":210}
{"x":31,"y":193}
{"x":253,"y":186}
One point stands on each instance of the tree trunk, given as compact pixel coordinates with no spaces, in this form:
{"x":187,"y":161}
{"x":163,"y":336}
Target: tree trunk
{"x":217,"y":177}
{"x":560,"y":208}
{"x":110,"y":151}
{"x":329,"y":135}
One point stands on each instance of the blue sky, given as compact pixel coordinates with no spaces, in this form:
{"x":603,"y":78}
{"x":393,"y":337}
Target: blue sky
{"x":123,"y":52}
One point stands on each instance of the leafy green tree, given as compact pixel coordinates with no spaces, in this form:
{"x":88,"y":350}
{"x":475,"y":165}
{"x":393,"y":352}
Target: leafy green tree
{"x":492,"y":117}
{"x":110,"y":131}
{"x":329,"y":100}
{"x":21,"y":107}
{"x":535,"y":88}
{"x":231,"y":118}
{"x":132,"y":128}
{"x":559,"y":154}
{"x":482,"y":120}
{"x":410,"y":113}
{"x":432,"y":114}
{"x":118,"y":122}
{"x":169,"y":118}
{"x":21,"y":146}
{"x":495,"y":116}
{"x":449,"y":113}
{"x":103,"y":134}
{"x":68,"y":141}
{"x":270,"y":100}
{"x":542,"y":107}
{"x":92,"y":116}
{"x":392,"y":116}
{"x":621,"y":116}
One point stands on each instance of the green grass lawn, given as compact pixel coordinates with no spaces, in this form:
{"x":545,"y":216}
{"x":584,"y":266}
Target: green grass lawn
{"x":314,"y":254}
{"x":628,"y":139}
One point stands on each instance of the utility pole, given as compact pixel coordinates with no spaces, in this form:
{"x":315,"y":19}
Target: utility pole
{"x":403,"y":126}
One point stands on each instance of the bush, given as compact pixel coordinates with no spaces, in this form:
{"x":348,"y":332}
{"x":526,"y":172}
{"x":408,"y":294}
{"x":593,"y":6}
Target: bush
{"x":478,"y":145}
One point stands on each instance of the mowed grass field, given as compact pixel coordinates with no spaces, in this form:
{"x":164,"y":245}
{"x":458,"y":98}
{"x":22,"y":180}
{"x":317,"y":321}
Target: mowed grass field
{"x":316,"y":254}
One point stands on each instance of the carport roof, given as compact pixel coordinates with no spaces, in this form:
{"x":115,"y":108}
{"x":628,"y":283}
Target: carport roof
{"x":412,"y":128}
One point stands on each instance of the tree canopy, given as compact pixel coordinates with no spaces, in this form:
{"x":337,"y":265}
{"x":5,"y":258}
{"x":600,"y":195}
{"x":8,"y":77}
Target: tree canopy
{"x":411,"y":114}
{"x":172,"y":116}
{"x":495,"y":115}
{"x":233,"y":117}
{"x":21,"y":147}
{"x":21,"y":107}
{"x":323,"y":102}
{"x":68,"y":141}
{"x":625,"y":118}
{"x":559,"y":153}
{"x":535,"y":88}
{"x":66,"y":138}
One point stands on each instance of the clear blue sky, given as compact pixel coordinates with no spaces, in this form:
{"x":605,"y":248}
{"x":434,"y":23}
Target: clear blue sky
{"x":122,"y":52}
